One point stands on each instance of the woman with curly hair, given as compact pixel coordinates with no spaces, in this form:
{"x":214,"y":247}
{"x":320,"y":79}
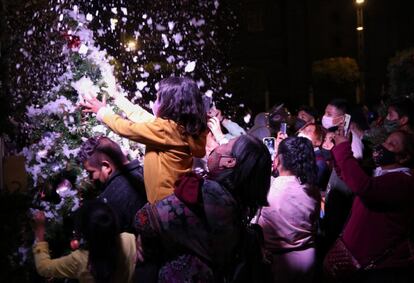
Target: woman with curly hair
{"x":289,"y":222}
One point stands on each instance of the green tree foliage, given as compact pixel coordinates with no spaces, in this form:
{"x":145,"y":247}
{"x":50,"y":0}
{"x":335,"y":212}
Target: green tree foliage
{"x":335,"y":77}
{"x":401,"y":73}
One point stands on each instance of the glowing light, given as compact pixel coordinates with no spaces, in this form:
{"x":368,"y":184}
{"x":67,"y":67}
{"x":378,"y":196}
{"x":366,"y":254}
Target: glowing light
{"x":359,"y":2}
{"x":360,"y":28}
{"x":131,"y":45}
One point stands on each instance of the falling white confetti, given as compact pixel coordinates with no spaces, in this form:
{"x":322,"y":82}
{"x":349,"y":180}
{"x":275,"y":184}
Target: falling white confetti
{"x":141,"y":85}
{"x":190,"y":67}
{"x":247,"y":118}
{"x":165,"y":39}
{"x":89,"y":17}
{"x":171,"y":25}
{"x":113,"y":23}
{"x":177,"y":38}
{"x":170,"y":59}
{"x":83,"y":49}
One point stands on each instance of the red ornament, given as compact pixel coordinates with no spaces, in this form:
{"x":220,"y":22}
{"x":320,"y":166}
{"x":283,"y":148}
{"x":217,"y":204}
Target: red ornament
{"x":73,"y":40}
{"x":74,"y":244}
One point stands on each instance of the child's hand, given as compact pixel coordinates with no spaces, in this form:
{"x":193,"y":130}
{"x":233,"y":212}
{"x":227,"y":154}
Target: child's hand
{"x":93,"y":105}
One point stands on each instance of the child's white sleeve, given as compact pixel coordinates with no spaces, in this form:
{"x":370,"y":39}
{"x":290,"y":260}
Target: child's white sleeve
{"x":134,"y":112}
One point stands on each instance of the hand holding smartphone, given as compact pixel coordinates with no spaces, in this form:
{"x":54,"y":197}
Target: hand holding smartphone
{"x":283,"y":128}
{"x":270,"y":143}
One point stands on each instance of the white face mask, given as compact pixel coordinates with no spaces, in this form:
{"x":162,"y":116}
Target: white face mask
{"x":327,"y":122}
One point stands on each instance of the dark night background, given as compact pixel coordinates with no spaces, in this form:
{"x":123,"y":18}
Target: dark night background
{"x":265,"y":48}
{"x":280,"y":39}
{"x":277,"y":40}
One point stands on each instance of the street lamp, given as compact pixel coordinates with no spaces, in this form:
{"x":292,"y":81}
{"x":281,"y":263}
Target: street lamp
{"x":131,"y":45}
{"x":360,"y":40}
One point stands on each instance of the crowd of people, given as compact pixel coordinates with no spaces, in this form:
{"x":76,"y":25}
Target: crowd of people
{"x":328,"y":199}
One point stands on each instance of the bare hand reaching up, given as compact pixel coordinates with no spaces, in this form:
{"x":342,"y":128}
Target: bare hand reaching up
{"x":93,"y":105}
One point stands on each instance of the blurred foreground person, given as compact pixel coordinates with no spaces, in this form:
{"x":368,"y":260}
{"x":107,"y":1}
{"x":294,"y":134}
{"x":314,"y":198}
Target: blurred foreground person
{"x":200,"y":227}
{"x":377,"y":238}
{"x":107,"y":255}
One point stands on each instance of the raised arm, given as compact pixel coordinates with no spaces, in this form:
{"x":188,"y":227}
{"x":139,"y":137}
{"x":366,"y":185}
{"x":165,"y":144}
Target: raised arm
{"x":389,"y":189}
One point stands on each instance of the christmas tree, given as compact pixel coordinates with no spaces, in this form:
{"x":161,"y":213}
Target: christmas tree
{"x":72,"y":49}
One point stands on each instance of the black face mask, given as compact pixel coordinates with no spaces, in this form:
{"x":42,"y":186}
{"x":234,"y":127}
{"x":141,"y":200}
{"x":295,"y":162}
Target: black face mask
{"x":98,"y":186}
{"x":299,"y":123}
{"x":383,"y":156}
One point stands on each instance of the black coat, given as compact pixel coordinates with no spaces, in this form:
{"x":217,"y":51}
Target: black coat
{"x":124,"y":191}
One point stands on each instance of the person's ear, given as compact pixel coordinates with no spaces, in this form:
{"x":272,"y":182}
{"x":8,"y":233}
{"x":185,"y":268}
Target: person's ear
{"x":403,"y":120}
{"x":227,"y":162}
{"x":106,"y":168}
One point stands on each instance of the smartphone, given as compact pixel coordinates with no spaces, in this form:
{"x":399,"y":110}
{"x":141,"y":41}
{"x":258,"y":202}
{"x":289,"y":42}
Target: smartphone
{"x":270,"y":143}
{"x":283,"y":128}
{"x":347,"y":122}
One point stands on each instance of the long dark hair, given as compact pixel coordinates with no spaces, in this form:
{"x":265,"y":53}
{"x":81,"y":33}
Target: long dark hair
{"x":181,"y":101}
{"x":98,"y":225}
{"x":249,"y":180}
{"x":298,"y":156}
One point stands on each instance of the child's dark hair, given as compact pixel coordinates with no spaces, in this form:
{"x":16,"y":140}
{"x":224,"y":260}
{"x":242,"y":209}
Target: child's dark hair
{"x":98,"y":225}
{"x":297,"y":155}
{"x":181,"y":101}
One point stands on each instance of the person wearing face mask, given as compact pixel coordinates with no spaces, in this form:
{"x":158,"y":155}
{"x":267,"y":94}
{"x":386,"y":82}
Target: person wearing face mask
{"x":316,"y":135}
{"x":120,"y":181}
{"x":198,"y":228}
{"x":305,"y":115}
{"x":173,"y":137}
{"x":400,"y":115}
{"x":378,"y":233}
{"x":334,"y":118}
{"x":338,"y":197}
